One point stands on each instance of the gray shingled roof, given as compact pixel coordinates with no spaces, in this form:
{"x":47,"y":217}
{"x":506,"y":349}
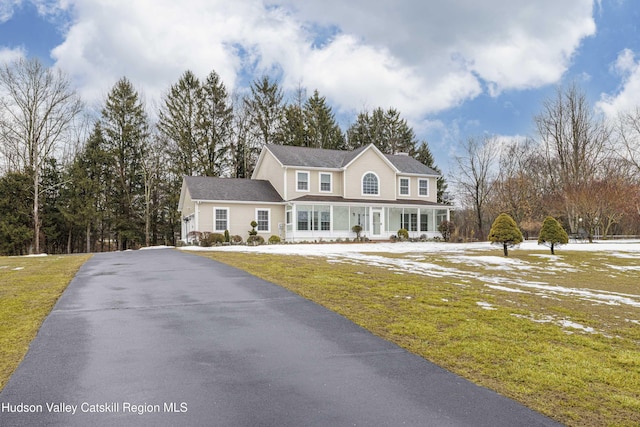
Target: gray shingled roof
{"x":335,"y":159}
{"x":232,"y":189}
{"x":407,"y":164}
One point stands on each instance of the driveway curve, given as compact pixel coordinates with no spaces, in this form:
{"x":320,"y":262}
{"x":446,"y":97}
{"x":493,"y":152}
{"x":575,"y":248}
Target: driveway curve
{"x":165,"y":338}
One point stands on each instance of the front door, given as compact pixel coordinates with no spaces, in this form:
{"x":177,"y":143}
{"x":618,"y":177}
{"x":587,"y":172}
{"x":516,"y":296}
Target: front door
{"x":377,"y":218}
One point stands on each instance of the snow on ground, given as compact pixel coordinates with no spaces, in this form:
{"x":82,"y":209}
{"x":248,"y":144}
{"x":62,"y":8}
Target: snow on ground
{"x":622,"y":248}
{"x":417,"y":259}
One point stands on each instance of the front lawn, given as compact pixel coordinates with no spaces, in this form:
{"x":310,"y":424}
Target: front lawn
{"x":29,"y":288}
{"x":561,"y":334}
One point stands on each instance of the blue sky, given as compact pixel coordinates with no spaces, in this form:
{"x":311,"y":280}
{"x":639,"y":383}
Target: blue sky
{"x":459,"y":69}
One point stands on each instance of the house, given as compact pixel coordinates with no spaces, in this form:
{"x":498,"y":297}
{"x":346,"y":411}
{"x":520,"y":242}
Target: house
{"x":308,"y":194}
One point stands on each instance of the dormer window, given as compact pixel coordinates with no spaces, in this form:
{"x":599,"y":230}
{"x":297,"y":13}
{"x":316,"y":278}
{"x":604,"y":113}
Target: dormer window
{"x":370,"y":184}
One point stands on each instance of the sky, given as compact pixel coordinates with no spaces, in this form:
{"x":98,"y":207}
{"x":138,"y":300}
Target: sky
{"x":454,"y":69}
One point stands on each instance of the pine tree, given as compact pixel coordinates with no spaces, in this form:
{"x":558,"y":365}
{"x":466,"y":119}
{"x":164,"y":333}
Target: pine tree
{"x":385,"y":129}
{"x":505,"y":231}
{"x":16,"y":199}
{"x":125,"y":133}
{"x":294,"y":130}
{"x":214,"y":127}
{"x":86,"y":194}
{"x":178,"y":121}
{"x":266,"y":112}
{"x":322,"y":131}
{"x":552,"y":234}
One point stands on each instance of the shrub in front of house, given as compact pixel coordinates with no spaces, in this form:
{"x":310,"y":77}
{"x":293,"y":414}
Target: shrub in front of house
{"x":236,"y":239}
{"x":403,"y":234}
{"x":255,"y":240}
{"x":274,"y":240}
{"x":211,"y":239}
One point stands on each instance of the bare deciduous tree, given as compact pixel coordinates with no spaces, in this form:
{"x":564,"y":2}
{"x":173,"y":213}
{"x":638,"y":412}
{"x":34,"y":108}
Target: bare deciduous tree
{"x":474,"y":181}
{"x":574,"y":140}
{"x":37,"y":108}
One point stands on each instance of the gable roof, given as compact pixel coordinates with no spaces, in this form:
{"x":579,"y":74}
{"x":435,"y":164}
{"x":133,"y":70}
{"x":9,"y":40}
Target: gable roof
{"x":305,"y":157}
{"x":231,"y":189}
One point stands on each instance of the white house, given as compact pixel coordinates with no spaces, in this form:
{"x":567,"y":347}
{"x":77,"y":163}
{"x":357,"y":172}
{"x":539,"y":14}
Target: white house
{"x":306,"y":194}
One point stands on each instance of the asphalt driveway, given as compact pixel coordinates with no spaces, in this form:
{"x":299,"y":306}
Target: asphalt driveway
{"x":164,"y":338}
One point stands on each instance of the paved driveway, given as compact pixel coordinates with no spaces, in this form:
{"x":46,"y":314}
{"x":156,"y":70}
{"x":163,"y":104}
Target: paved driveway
{"x":164,"y":338}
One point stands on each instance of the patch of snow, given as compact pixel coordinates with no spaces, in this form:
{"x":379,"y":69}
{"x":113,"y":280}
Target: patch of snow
{"x":146,"y":248}
{"x":507,"y":289}
{"x":485,"y":305}
{"x":569,"y":324}
{"x":563,"y":323}
{"x":17,"y":268}
{"x":624,"y":267}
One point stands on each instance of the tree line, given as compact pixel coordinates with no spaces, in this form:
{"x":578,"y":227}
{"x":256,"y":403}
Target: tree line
{"x":580,"y":168}
{"x":73,"y":182}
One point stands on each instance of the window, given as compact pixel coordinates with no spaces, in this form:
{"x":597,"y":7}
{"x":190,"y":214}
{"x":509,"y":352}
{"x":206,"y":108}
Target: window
{"x":304,"y":223}
{"x":370,"y":183}
{"x":424,"y":222}
{"x":423,"y":187}
{"x":325,"y":221}
{"x":221,"y":219}
{"x":262,"y":218}
{"x":404,"y":186}
{"x":302,"y":181}
{"x":409,"y":221}
{"x":325,"y":182}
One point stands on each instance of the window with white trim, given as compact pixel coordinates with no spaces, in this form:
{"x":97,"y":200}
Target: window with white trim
{"x":220,"y":219}
{"x":404,"y":186}
{"x":302,"y":179}
{"x":370,"y":184}
{"x":325,"y":182}
{"x":262,"y":218}
{"x":423,"y":187}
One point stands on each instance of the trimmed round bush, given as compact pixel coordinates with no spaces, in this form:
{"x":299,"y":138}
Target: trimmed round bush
{"x":274,"y":239}
{"x":403,"y":234}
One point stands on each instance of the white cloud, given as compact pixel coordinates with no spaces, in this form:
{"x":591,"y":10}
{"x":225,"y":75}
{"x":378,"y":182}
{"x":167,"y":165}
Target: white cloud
{"x":628,"y":68}
{"x":419,"y":57}
{"x":9,"y":55}
{"x":7,"y":8}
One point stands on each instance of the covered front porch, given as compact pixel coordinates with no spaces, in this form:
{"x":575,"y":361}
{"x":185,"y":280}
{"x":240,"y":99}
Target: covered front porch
{"x":323,"y":220}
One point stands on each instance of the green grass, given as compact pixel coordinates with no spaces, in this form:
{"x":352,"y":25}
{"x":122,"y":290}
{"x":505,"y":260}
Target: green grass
{"x":29,"y":288}
{"x":519,"y":346}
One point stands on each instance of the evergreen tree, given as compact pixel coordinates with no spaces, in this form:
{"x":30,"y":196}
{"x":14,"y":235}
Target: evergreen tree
{"x":87,"y":193}
{"x":322,"y":131}
{"x":242,"y":156}
{"x":214,"y":127}
{"x":266,"y":112}
{"x":552,"y":234}
{"x":505,"y":231}
{"x":178,"y":122}
{"x":55,"y":229}
{"x":294,"y":130}
{"x":125,"y":126}
{"x":385,"y":129}
{"x":16,"y":199}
